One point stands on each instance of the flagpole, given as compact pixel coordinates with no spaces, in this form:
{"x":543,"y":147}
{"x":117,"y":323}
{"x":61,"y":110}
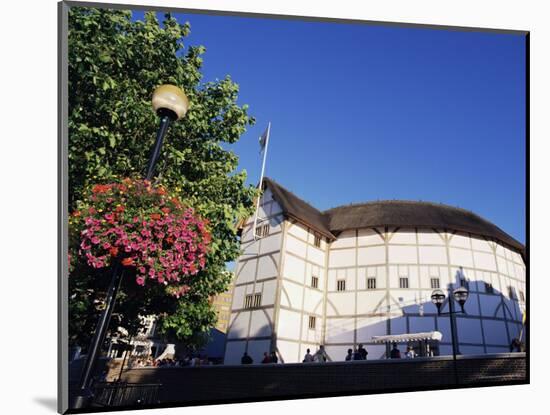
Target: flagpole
{"x":261,"y":180}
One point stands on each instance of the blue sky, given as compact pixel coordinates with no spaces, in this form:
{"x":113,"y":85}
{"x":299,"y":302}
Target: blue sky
{"x":363,"y":112}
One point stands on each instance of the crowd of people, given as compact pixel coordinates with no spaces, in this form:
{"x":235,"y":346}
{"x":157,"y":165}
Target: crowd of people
{"x":320,"y":356}
{"x":395,"y":353}
{"x":358,"y":354}
{"x":191,"y":360}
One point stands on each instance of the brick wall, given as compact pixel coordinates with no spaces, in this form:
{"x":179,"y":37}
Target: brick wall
{"x":243,"y":383}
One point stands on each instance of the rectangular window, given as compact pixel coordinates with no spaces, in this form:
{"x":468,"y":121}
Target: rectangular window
{"x":371,"y":283}
{"x":317,"y":241}
{"x":248,"y":301}
{"x":511,"y":293}
{"x":434,"y":282}
{"x":522,"y":296}
{"x":257,"y":300}
{"x":315,"y":281}
{"x":312,"y":322}
{"x":404,"y":282}
{"x":341,"y":285}
{"x":489,"y":288}
{"x":262,"y":230}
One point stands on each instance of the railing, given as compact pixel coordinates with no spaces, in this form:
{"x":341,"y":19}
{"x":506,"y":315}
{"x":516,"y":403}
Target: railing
{"x":125,"y":394}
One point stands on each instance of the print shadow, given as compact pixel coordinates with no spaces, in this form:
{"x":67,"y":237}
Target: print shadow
{"x":492,"y":320}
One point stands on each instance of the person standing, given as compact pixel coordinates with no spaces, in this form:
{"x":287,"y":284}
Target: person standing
{"x":410,"y":353}
{"x":246,"y":359}
{"x":308,"y":358}
{"x":274,"y":358}
{"x":267,"y":358}
{"x":320,"y":355}
{"x":395,"y":353}
{"x":363,"y":352}
{"x":349,"y":356}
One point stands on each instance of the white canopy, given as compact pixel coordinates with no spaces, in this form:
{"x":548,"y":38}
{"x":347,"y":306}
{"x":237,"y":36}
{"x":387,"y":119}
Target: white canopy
{"x":408,"y":337}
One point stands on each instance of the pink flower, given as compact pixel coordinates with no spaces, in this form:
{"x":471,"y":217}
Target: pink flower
{"x":140,"y":281}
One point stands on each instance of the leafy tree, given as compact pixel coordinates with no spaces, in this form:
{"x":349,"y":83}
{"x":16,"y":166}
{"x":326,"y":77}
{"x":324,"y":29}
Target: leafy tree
{"x":114,"y":65}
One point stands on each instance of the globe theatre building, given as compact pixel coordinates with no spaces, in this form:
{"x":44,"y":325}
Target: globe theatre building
{"x":340,"y":277}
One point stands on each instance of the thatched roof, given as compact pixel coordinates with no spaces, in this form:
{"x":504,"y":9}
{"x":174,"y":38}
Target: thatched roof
{"x":298,"y":209}
{"x":393,"y":213}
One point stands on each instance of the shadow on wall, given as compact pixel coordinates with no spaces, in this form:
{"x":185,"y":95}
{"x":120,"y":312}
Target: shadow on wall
{"x":491,"y":321}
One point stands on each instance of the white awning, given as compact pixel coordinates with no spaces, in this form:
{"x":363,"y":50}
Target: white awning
{"x":408,"y":337}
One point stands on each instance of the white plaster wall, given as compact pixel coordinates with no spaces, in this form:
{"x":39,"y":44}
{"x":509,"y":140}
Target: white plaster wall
{"x":260,"y":323}
{"x":298,"y":230}
{"x":367,"y":327}
{"x":296,"y":246}
{"x":344,"y":302}
{"x":347,"y":274}
{"x":341,"y":258}
{"x":289,"y":351}
{"x":371,"y":256}
{"x":481,"y":245}
{"x":249,"y":249}
{"x":313,"y":302}
{"x":304,"y":346}
{"x":403,"y":236}
{"x":340,"y":330}
{"x":460,"y":241}
{"x":289,"y":324}
{"x":269,"y":290}
{"x":432,"y":254}
{"x":238,"y":297}
{"x":293,"y":294}
{"x":267,"y":266}
{"x":294,"y":268}
{"x":311,"y":335}
{"x":270,"y":244}
{"x":338,"y":353}
{"x":367,"y":301}
{"x":317,"y":271}
{"x":398,"y":254}
{"x":427,"y":237}
{"x":331,"y":280}
{"x":461,"y":257}
{"x":316,"y":255}
{"x":485,"y":261}
{"x":345,"y":240}
{"x":239,"y":326}
{"x":369,"y":237}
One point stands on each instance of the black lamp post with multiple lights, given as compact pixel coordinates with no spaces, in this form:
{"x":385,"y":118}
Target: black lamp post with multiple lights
{"x":460,"y":295}
{"x":171,"y":104}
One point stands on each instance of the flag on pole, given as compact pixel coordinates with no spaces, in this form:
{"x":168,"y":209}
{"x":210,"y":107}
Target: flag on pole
{"x":264,"y":142}
{"x":263,"y":139}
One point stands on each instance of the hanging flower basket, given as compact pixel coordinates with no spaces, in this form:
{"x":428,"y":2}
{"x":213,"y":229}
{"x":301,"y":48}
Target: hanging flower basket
{"x":143,"y":227}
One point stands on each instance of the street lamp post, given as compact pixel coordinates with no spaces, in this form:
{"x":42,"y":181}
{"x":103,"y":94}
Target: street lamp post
{"x":460,"y":295}
{"x":171,"y":104}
